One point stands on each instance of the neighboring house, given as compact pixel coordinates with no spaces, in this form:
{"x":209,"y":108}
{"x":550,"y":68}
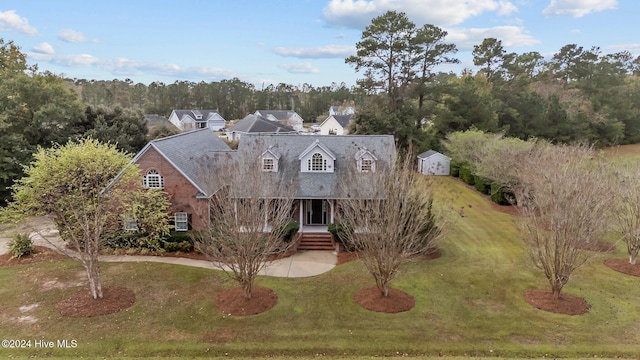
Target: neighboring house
{"x":181,"y":165}
{"x":321,"y":169}
{"x":342,"y":110}
{"x":285,"y":117}
{"x":186,"y":120}
{"x":257,"y":124}
{"x":335,"y":125}
{"x":433,"y":163}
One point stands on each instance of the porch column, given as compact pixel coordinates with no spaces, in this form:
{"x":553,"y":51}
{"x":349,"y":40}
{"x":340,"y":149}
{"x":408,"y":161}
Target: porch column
{"x":332,"y":204}
{"x":301,"y":212}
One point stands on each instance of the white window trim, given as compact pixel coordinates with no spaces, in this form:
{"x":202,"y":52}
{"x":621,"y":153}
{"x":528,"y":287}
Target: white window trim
{"x":268,"y":164}
{"x":130,"y":224}
{"x":153,"y":180}
{"x":181,"y":221}
{"x":314,"y":166}
{"x":367,"y":165}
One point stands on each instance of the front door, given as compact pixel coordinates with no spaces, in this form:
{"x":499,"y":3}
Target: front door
{"x":316,"y":212}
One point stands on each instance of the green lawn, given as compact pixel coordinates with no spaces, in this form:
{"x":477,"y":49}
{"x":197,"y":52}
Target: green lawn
{"x":469,"y":302}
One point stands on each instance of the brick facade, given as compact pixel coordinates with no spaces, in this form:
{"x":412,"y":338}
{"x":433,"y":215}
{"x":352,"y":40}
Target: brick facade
{"x":182,"y":193}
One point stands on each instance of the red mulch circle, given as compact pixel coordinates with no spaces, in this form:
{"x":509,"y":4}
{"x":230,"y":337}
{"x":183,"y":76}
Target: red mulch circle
{"x":232,"y":301}
{"x":567,"y":304}
{"x":371,"y":298}
{"x":623,"y":266}
{"x":82,"y":304}
{"x":42,"y":253}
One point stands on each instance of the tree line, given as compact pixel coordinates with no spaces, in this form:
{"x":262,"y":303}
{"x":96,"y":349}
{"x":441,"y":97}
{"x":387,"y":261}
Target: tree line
{"x":580,"y":94}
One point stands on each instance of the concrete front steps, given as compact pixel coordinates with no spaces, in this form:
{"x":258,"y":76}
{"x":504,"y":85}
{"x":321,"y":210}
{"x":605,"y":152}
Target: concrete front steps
{"x":316,"y":241}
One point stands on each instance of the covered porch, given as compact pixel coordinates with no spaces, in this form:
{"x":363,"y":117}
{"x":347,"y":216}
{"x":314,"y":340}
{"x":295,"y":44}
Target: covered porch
{"x":314,"y":217}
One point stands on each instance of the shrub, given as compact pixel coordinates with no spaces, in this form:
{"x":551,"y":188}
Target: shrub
{"x":125,"y":239}
{"x":178,"y":241}
{"x":21,"y":245}
{"x":465,"y":173}
{"x":481,"y":184}
{"x":340,"y":235}
{"x":182,"y":246}
{"x":289,"y":231}
{"x":454,"y":168}
{"x":499,"y":195}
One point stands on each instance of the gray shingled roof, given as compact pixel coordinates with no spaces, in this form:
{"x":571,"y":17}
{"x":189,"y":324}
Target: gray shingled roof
{"x":427,"y":154}
{"x":192,"y":154}
{"x":318,"y":185}
{"x":258,"y":124}
{"x":206,"y":114}
{"x":281,"y":115}
{"x":343,"y":120}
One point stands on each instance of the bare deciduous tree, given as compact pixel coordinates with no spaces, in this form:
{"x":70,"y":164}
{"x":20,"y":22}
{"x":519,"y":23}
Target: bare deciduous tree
{"x":388,"y":217}
{"x":627,"y":192}
{"x":564,"y":193}
{"x":249,"y":214}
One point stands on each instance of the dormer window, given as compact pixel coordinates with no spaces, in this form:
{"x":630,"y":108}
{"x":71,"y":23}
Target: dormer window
{"x":317,"y":163}
{"x":267,"y":164}
{"x":317,"y":158}
{"x":153,"y":180}
{"x":270,"y":160}
{"x":365,"y":160}
{"x":366,"y":165}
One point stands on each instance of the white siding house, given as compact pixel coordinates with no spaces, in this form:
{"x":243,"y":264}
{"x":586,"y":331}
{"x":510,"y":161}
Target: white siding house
{"x":335,"y":125}
{"x":186,"y":120}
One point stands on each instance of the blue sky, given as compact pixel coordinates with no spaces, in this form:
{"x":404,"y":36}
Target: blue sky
{"x":285,"y":41}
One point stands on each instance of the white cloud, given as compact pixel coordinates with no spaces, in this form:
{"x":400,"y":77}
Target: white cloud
{"x":622,"y":47}
{"x":43,"y":48}
{"x":319,"y":52}
{"x":128,"y":67}
{"x":72,"y":36}
{"x":358,"y":13}
{"x":9,"y":21}
{"x":300,"y":68}
{"x":511,"y":36}
{"x":578,"y":8}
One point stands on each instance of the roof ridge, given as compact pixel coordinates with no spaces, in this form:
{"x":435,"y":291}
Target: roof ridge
{"x":180,"y":134}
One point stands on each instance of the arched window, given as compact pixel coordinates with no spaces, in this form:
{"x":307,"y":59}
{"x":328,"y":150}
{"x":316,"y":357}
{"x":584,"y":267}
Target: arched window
{"x":153,"y":180}
{"x":317,"y":163}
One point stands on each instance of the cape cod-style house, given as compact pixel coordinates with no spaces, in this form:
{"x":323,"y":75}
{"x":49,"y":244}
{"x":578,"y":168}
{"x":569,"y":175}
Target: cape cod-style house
{"x":285,"y":117}
{"x":317,"y":166}
{"x":186,"y":120}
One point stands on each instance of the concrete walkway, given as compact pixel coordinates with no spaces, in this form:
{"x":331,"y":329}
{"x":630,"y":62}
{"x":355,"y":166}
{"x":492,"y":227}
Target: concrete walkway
{"x":300,"y":264}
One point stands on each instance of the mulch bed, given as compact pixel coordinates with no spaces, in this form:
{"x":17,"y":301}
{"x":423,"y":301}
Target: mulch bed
{"x":623,"y":266}
{"x":232,"y":301}
{"x":82,"y":304}
{"x":507,"y":209}
{"x":372,"y":299}
{"x":42,"y":253}
{"x":567,"y":304}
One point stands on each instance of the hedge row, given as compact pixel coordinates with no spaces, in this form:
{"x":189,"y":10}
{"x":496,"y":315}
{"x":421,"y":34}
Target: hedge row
{"x":465,"y":172}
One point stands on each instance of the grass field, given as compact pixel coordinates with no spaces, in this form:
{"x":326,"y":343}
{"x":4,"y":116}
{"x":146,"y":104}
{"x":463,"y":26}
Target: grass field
{"x":469,"y":303}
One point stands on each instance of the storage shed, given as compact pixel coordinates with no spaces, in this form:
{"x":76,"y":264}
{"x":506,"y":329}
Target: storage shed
{"x":433,"y":163}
